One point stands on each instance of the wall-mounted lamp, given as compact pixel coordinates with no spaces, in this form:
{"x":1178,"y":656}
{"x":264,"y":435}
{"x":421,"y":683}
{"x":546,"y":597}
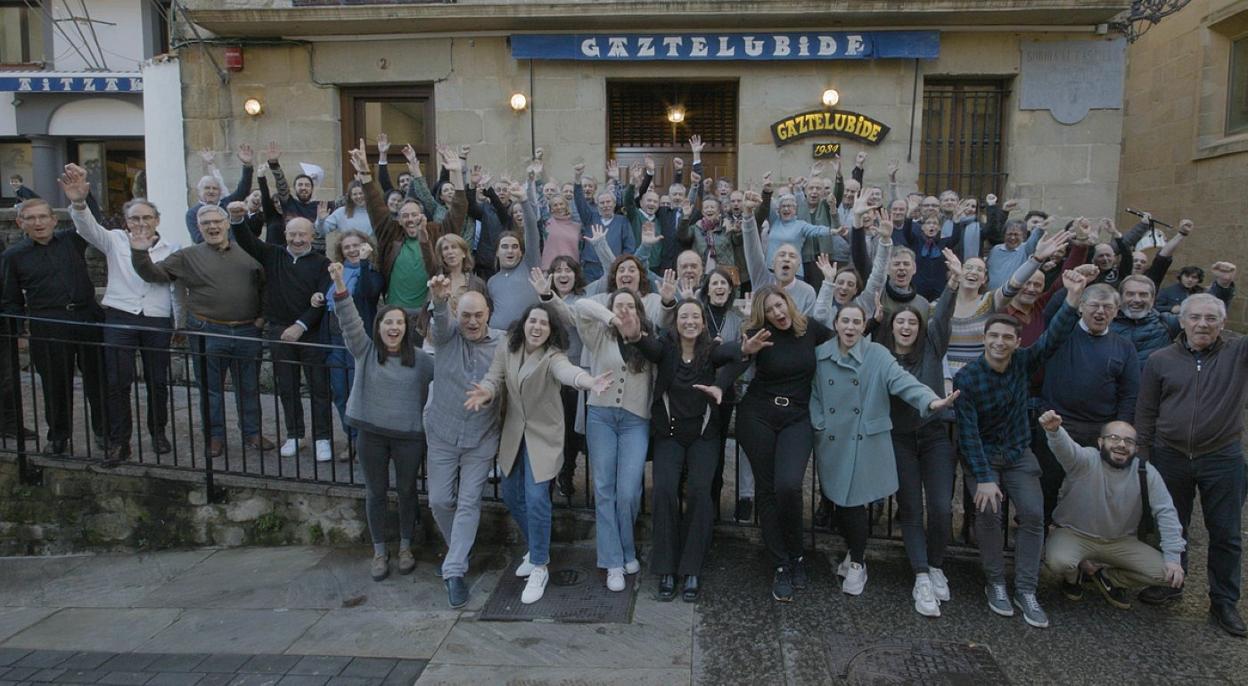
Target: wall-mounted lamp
{"x":831,"y":97}
{"x":676,"y":115}
{"x":252,"y":106}
{"x":519,"y":102}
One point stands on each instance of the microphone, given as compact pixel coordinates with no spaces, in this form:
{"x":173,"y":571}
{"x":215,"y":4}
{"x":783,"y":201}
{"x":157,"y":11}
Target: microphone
{"x":1154,"y":220}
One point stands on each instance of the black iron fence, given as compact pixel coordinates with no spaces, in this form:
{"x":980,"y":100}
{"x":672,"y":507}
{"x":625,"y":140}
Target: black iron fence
{"x":249,"y":427}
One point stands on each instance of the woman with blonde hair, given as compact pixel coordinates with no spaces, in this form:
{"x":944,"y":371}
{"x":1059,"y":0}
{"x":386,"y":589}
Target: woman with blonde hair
{"x":452,"y":256}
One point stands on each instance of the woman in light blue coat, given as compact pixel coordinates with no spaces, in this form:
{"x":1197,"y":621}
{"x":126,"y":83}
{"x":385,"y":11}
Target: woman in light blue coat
{"x":850,"y":412}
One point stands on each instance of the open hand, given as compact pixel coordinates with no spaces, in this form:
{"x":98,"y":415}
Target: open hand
{"x":478,"y":397}
{"x":715,"y":392}
{"x":987,"y":494}
{"x":752,"y":345}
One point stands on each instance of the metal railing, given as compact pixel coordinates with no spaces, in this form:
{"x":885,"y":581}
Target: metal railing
{"x":190,"y":433}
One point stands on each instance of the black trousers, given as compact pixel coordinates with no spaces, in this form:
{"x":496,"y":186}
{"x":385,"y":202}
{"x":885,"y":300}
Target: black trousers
{"x":680,"y":543}
{"x":855,"y":524}
{"x":572,"y":441}
{"x":153,"y":349}
{"x":57,"y":349}
{"x":288,"y":360}
{"x":777,"y":441}
{"x":10,"y":419}
{"x":1051,"y":472}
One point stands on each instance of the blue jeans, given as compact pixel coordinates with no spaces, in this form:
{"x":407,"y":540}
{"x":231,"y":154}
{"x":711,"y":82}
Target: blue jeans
{"x":1219,"y":478}
{"x":240,"y":355}
{"x":341,"y":376}
{"x":617,"y":441}
{"x":529,"y":503}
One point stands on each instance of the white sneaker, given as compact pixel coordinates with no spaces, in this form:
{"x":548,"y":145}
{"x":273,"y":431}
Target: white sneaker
{"x":324,"y":450}
{"x":290,"y":447}
{"x":632,"y":567}
{"x":843,"y":568}
{"x":924,"y":600}
{"x":536,"y":586}
{"x":940,"y":584}
{"x":615,"y":579}
{"x":855,"y":579}
{"x":526,"y":568}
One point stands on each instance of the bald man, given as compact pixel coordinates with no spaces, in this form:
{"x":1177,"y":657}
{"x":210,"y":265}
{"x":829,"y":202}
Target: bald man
{"x":293,"y":272}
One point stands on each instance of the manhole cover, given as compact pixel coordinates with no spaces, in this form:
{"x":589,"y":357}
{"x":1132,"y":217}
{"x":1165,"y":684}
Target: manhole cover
{"x":576,"y":593}
{"x":925,"y":662}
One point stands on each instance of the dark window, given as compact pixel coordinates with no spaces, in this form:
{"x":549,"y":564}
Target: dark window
{"x":21,"y":33}
{"x":404,"y":113}
{"x":639,"y":123}
{"x":1237,"y":100}
{"x":963,"y":136}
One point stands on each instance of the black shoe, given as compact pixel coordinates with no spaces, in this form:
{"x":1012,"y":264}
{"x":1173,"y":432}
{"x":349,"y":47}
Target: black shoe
{"x":566,"y":485}
{"x":100,"y":441}
{"x":823,"y":515}
{"x":745,"y":510}
{"x":1227,"y":618}
{"x":55,"y":447}
{"x":800,"y":578}
{"x":1114,"y":595}
{"x":456,"y":591}
{"x":1074,"y":591}
{"x":690,"y":593}
{"x":117,"y":453}
{"x":161,"y":444}
{"x":667,"y":587}
{"x":1160,"y":595}
{"x":782,"y":585}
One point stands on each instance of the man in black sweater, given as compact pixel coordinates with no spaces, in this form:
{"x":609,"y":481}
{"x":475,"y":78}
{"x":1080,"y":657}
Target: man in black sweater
{"x":293,"y":273}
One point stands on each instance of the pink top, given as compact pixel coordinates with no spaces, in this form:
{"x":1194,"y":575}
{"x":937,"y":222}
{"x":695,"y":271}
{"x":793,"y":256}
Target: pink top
{"x":563,"y":237}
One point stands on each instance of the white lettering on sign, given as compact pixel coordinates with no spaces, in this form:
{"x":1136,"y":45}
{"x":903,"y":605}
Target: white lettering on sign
{"x":645,"y":46}
{"x":697,"y":46}
{"x":753,"y":47}
{"x":23,"y":84}
{"x":110,"y":84}
{"x":589,"y":47}
{"x":782,"y":46}
{"x":853,"y":44}
{"x":619,"y":46}
{"x":725,"y":50}
{"x":673,"y":45}
{"x":803,"y":46}
{"x":827,"y":46}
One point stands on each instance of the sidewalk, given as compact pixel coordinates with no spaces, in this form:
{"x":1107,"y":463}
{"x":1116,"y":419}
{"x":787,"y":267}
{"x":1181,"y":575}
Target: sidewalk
{"x":303,"y":615}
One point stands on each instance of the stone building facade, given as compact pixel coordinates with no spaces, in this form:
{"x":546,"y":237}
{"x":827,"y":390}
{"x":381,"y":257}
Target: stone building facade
{"x":314,"y":65}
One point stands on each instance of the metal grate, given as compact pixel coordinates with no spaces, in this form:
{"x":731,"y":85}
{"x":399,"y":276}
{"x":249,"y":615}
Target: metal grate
{"x":637,"y":113}
{"x":861,"y":660}
{"x":576,"y":593}
{"x":963,"y":136}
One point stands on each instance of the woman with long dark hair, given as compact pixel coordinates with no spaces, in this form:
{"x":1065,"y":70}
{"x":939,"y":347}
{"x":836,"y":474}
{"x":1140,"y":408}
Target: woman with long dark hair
{"x":723,"y":325}
{"x":391,"y":378}
{"x":684,"y":421}
{"x":532,"y":367}
{"x":568,"y":282}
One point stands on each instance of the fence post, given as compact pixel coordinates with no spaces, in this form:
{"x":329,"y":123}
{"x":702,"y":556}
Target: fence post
{"x":28,"y":473}
{"x":212,"y":492}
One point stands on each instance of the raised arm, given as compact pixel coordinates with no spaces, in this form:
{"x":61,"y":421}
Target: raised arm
{"x":755,"y":258}
{"x":243,"y":189}
{"x":354,"y":335}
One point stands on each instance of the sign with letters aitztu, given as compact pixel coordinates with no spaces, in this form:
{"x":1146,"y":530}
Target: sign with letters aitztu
{"x":822,"y":45}
{"x":841,"y":123}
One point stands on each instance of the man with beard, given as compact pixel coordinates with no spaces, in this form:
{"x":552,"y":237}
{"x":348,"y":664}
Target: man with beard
{"x":1091,"y":379}
{"x":1096,"y":539}
{"x":1190,"y":422}
{"x":209,"y":192}
{"x":1137,"y":321}
{"x":784,"y":265}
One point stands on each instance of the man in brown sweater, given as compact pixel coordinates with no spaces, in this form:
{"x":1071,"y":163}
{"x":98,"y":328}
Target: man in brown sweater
{"x":222,"y":286}
{"x":1189,"y":416}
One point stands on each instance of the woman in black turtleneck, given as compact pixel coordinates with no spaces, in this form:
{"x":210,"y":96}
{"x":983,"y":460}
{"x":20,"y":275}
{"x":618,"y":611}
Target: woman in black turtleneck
{"x":773,"y":426}
{"x":723,"y":324}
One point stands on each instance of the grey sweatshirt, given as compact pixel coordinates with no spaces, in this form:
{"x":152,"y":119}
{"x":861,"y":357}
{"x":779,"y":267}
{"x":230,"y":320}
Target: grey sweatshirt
{"x":1103,"y":502}
{"x":385,"y":399}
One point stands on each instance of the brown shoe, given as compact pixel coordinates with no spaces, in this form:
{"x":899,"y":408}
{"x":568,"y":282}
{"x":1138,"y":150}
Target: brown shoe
{"x":117,"y":453}
{"x":259,"y":442}
{"x":216,"y":446}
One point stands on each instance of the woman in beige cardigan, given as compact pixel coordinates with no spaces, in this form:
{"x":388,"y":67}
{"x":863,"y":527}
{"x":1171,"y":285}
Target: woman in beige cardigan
{"x":529,"y":371}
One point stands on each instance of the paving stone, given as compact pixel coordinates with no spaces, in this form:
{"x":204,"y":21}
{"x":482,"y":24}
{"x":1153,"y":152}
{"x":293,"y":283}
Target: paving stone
{"x":235,"y":631}
{"x":320,"y":665}
{"x":131,"y":662}
{"x":82,"y":676}
{"x":176,"y":662}
{"x":270,"y":664}
{"x":370,"y":667}
{"x":219,"y":679}
{"x":120,"y":678}
{"x":20,"y":673}
{"x":15,"y":619}
{"x":353,"y":681}
{"x":175,"y":679}
{"x":303,"y":680}
{"x":44,"y":658}
{"x":10,"y":656}
{"x":103,"y":629}
{"x":47,"y":675}
{"x":120,"y":580}
{"x":87,"y":660}
{"x":255,"y":680}
{"x":222,"y":662}
{"x":377,"y":633}
{"x":406,"y":673}
{"x":485,"y":675}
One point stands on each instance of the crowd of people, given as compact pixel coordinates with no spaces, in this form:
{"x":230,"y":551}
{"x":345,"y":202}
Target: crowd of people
{"x":515,"y":323}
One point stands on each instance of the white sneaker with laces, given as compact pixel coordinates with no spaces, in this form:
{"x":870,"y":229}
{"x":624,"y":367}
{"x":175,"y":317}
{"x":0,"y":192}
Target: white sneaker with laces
{"x":615,"y":579}
{"x":324,"y":450}
{"x":843,"y":568}
{"x":526,"y":568}
{"x":924,"y":599}
{"x":632,"y":567}
{"x":536,"y":586}
{"x":290,"y":447}
{"x":940,"y":584}
{"x":855,"y":579}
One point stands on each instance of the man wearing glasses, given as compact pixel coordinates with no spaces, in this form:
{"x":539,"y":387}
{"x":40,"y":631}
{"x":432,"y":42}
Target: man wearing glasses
{"x":1092,"y":379}
{"x":1190,"y":423}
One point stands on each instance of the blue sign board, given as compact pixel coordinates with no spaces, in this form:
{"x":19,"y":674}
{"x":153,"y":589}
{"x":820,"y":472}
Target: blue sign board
{"x":56,"y":83}
{"x":821,"y":45}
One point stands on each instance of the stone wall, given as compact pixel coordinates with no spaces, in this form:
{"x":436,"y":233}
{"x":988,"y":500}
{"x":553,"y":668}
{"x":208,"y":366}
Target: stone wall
{"x":1177,"y":161}
{"x":1067,"y":170}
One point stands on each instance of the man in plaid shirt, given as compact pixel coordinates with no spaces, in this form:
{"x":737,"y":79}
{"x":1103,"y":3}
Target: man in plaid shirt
{"x":993,"y":437}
